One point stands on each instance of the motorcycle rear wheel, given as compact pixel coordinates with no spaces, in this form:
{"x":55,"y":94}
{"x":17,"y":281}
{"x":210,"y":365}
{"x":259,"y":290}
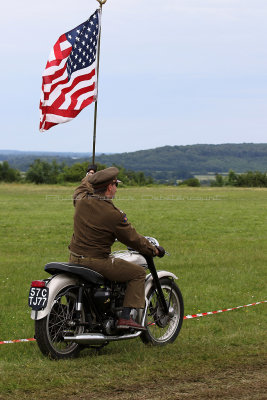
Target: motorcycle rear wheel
{"x":50,"y":331}
{"x":163,"y":329}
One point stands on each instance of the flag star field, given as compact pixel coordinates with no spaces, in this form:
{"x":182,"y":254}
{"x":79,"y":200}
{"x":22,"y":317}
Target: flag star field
{"x":84,"y":41}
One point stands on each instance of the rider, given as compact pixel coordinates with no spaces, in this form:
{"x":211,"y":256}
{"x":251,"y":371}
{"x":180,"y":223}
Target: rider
{"x":97,"y":223}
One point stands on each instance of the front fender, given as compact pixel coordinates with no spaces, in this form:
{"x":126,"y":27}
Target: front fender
{"x":161,"y":274}
{"x":149,"y":283}
{"x":55,"y":285}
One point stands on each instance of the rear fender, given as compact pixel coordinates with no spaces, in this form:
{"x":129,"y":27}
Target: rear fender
{"x":55,"y":285}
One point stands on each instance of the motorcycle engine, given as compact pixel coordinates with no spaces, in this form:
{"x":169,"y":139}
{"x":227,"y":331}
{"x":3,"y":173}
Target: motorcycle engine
{"x":102,"y":298}
{"x":109,"y":326}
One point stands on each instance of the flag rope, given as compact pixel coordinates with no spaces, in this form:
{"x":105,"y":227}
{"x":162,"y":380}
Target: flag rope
{"x":185,"y":317}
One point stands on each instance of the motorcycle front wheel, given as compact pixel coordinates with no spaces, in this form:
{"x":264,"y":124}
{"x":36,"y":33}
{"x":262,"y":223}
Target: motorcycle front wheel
{"x":60,"y":321}
{"x":161,"y":328}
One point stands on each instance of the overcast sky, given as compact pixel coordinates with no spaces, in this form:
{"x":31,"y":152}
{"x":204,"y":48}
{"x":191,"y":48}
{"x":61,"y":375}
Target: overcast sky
{"x":172,"y":72}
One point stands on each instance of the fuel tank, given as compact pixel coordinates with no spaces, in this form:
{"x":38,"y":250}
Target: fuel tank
{"x":131,"y":256}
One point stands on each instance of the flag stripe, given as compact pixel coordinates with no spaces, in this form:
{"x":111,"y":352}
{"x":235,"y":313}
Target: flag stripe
{"x":51,"y":116}
{"x":57,"y":48}
{"x":58,"y":85}
{"x":51,"y":78}
{"x":74,"y":98}
{"x":87,"y":102}
{"x":60,"y":95}
{"x":53,"y":88}
{"x":52,"y":65}
{"x":80,"y":90}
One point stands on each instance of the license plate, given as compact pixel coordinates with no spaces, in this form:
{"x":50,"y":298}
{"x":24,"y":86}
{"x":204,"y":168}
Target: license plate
{"x":38,"y":298}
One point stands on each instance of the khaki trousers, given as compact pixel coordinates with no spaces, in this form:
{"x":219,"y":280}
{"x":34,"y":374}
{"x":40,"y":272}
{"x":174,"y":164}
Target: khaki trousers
{"x":118,"y":270}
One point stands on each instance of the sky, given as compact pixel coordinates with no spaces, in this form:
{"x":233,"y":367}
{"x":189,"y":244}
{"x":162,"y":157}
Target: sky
{"x":172,"y":72}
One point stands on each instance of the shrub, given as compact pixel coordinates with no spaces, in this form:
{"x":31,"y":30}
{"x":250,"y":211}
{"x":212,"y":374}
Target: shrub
{"x":8,"y":174}
{"x":190,"y":182}
{"x":252,"y":179}
{"x":77,"y":171}
{"x":218,"y":182}
{"x":44,"y":172}
{"x":248,"y":179}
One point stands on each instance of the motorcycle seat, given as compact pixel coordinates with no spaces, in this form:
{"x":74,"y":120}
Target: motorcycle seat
{"x":75,"y":269}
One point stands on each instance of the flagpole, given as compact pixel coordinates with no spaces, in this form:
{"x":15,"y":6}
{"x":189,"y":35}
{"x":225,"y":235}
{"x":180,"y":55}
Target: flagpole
{"x":101,"y":2}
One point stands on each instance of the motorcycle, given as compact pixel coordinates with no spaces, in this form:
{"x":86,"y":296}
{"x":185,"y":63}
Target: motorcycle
{"x":77,"y":307}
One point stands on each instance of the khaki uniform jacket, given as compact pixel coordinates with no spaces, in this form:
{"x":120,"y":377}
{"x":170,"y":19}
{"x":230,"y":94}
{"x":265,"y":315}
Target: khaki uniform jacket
{"x":83,"y":190}
{"x":97,"y":223}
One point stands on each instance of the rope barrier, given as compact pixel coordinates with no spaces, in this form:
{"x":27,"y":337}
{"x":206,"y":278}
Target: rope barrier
{"x":185,"y":317}
{"x":224,"y":310}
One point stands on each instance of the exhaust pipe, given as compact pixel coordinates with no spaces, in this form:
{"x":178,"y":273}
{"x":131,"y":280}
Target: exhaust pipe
{"x":98,"y":338}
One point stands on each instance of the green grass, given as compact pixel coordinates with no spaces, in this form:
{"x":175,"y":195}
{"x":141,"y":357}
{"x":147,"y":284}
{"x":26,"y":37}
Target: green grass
{"x":217,"y":238}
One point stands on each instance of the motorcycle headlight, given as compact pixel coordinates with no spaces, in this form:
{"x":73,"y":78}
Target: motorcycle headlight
{"x":152,"y":240}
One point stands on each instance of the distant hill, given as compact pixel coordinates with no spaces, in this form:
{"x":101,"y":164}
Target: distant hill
{"x":174,"y":162}
{"x":21,"y":160}
{"x":168,"y":162}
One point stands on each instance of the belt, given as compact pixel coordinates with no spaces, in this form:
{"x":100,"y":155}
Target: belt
{"x":76,"y":255}
{"x":88,"y":258}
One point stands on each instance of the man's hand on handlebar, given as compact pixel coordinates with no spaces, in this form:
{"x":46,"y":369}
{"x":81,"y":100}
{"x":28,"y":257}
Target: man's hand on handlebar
{"x":160,"y":252}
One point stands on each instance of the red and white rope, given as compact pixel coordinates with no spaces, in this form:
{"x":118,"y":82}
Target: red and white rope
{"x":17,"y":341}
{"x":185,"y":317}
{"x":224,"y":310}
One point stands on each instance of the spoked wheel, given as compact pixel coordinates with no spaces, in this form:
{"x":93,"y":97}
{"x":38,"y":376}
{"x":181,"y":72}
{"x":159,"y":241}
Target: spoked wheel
{"x":60,"y":322}
{"x":161,"y":328}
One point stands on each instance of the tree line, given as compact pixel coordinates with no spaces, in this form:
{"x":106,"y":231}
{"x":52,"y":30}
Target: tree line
{"x":167,"y":163}
{"x":41,"y":172}
{"x":248,"y":179}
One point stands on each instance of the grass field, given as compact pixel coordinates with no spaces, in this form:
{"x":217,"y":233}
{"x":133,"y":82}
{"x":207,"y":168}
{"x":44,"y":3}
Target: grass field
{"x":217,"y":238}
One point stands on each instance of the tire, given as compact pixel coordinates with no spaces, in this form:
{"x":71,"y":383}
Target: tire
{"x":163,"y":329}
{"x":49,"y":331}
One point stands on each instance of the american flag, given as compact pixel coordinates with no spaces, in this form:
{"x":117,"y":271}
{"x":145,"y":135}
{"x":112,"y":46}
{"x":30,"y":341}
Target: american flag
{"x":69,"y":79}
